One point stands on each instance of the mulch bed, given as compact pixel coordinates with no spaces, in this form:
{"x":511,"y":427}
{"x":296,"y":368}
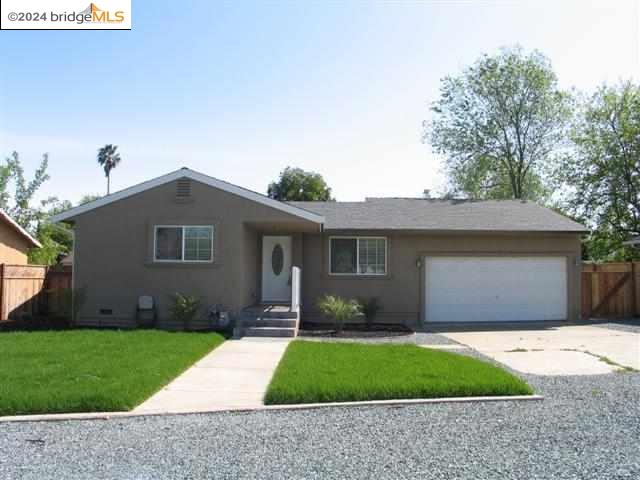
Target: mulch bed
{"x":354,"y":331}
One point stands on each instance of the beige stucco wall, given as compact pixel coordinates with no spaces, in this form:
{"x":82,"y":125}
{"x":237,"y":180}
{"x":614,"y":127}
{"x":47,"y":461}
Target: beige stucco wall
{"x":114,"y":257}
{"x":114,"y":251}
{"x":402,"y":289}
{"x":13,"y":246}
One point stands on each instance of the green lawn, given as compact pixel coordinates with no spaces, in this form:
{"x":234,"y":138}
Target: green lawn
{"x":92,"y":370}
{"x":315,"y":372}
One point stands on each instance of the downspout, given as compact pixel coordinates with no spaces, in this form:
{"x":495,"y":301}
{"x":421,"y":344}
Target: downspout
{"x":73,"y":276}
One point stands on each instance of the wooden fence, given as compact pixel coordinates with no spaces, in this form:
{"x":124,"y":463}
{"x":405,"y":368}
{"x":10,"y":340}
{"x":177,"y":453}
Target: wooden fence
{"x":56,"y":282}
{"x":30,"y":290}
{"x":610,"y":290}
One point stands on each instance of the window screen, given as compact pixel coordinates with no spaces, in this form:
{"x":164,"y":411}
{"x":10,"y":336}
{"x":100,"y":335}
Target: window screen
{"x":169,"y":243}
{"x":184,"y":243}
{"x":358,"y":256}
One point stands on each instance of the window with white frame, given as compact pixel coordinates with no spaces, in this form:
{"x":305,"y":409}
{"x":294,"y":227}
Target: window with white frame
{"x":358,"y":255}
{"x":178,"y":243}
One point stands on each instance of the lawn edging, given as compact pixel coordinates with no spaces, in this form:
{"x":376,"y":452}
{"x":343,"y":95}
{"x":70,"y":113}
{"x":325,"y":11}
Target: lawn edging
{"x":63,"y":417}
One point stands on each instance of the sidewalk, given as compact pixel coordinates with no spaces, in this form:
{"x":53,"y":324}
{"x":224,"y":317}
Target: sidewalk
{"x":234,"y":375}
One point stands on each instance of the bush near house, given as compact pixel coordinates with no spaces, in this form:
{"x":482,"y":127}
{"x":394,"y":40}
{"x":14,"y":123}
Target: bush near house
{"x":184,"y":309}
{"x":339,"y":309}
{"x":369,"y":308}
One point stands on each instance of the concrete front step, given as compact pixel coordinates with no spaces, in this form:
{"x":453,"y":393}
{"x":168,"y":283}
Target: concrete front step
{"x":270,"y":322}
{"x":270,"y":312}
{"x":269,"y":332}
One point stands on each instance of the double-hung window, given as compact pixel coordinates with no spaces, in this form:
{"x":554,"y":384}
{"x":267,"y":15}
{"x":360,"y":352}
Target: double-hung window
{"x":358,"y":255}
{"x":177,"y":243}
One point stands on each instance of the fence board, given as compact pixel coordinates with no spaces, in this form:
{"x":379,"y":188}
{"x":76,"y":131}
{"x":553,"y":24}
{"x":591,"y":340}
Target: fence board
{"x":21,"y":287}
{"x":57,"y":281}
{"x":30,"y":290}
{"x":598,"y":283}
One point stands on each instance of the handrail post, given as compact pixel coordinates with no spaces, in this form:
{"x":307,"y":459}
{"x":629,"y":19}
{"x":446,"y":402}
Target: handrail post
{"x":295,"y":288}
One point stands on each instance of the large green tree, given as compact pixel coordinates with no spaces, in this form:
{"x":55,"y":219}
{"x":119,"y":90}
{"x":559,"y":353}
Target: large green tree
{"x":89,"y":197}
{"x":296,"y":184}
{"x":602,"y":173}
{"x":498,"y":125}
{"x":17,"y":199}
{"x":19,"y":204}
{"x":56,"y":238}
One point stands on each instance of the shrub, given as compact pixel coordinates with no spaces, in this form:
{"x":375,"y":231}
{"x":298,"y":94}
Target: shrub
{"x":339,"y":309}
{"x":184,"y":309}
{"x":369,"y":308}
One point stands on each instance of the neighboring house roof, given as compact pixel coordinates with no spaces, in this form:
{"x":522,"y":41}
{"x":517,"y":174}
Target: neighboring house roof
{"x":4,"y":217}
{"x":67,"y":260}
{"x":440,"y":215}
{"x":633,"y":241}
{"x":199,"y":177}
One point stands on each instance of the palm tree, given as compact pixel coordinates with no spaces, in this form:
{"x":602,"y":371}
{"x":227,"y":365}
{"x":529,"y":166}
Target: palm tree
{"x":108,"y":158}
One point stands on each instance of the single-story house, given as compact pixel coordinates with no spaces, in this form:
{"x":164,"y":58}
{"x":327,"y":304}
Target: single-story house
{"x":426,"y":260}
{"x":635,"y":242}
{"x":15,"y":241}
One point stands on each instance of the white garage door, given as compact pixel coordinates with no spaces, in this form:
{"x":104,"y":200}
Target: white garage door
{"x":495,"y":289}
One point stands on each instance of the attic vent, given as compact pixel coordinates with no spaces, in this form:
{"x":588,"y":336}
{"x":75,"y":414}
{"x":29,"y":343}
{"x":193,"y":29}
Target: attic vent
{"x":183,"y":188}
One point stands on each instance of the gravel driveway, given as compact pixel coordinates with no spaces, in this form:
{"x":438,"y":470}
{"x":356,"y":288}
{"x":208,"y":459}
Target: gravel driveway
{"x":588,"y":427}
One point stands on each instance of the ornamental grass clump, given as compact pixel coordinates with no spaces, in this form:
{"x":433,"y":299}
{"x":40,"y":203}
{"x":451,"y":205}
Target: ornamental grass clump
{"x":339,"y":309}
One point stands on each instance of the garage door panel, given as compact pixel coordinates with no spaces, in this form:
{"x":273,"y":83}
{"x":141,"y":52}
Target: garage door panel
{"x":490,"y":289}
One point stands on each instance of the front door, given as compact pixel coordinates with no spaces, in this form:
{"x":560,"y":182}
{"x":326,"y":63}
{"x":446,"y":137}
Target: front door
{"x":276,"y":269}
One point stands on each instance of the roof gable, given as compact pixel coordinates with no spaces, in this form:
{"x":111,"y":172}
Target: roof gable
{"x":21,"y":231}
{"x":199,"y":177}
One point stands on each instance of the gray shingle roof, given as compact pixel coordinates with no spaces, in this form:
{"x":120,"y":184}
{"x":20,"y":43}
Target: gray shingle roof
{"x":442,"y":215}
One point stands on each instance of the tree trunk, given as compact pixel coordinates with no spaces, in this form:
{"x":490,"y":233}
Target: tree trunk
{"x":108,"y":183}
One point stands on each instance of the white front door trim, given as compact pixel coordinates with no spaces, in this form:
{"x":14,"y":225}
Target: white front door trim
{"x":276,"y":268}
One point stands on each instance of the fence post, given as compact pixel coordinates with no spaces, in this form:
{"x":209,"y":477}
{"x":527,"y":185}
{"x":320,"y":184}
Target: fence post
{"x":43,"y":297}
{"x":593,"y":285}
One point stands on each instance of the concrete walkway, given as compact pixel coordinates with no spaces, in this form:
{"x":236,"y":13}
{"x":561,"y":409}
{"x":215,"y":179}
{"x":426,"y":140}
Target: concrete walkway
{"x":558,"y":350}
{"x":234,"y":375}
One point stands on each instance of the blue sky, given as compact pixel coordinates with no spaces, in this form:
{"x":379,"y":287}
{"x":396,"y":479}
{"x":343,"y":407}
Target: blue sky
{"x":240,"y":90}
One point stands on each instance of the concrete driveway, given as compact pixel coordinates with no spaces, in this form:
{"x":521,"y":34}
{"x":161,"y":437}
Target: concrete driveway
{"x":557,"y":350}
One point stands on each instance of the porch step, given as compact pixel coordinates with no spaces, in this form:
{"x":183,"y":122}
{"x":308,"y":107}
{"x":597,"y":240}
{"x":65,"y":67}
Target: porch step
{"x":269,"y":332}
{"x":270,"y":313}
{"x":270,"y":322}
